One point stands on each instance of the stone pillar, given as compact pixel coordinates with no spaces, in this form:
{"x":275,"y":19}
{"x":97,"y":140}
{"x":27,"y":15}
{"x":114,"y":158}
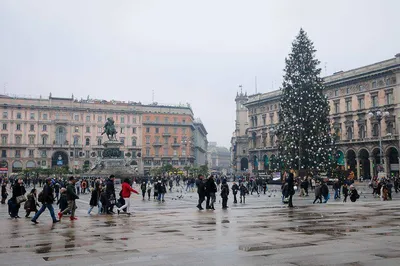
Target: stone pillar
{"x":386,"y":165}
{"x":371,"y":167}
{"x":358,"y":167}
{"x":345,"y":163}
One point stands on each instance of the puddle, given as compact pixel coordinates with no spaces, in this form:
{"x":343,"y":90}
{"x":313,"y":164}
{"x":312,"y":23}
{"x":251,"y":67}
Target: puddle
{"x":225,"y":221}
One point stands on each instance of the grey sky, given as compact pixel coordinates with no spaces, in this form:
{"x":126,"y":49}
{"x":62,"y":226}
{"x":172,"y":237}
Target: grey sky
{"x":187,"y":51}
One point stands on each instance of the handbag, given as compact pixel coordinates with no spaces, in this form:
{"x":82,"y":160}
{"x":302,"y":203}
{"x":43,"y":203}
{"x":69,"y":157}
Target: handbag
{"x":21,"y":199}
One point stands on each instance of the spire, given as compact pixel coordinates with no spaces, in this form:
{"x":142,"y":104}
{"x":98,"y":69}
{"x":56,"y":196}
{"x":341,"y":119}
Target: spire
{"x":241,"y":89}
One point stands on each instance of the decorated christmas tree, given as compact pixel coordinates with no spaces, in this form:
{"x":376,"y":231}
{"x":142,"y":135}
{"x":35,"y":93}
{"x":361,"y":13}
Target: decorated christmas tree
{"x":304,"y":134}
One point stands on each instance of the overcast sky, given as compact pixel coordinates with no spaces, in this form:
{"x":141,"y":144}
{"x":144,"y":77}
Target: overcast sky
{"x":186,"y":51}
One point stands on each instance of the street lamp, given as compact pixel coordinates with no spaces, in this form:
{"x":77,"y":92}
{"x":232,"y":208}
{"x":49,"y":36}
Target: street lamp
{"x":379,"y":115}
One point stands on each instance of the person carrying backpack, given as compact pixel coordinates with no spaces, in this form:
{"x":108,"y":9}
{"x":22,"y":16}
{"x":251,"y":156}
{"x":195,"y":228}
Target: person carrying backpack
{"x":46,"y":197}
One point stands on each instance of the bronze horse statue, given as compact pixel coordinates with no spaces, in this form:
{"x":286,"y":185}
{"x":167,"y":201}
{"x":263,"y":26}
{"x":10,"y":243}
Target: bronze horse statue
{"x":109,"y":129}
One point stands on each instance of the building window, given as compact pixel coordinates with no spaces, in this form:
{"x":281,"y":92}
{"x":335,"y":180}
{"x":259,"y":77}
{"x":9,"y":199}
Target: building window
{"x":19,"y":116}
{"x":99,"y":130}
{"x":348,"y":106}
{"x":76,"y":130}
{"x":17,"y":153}
{"x":134,"y":120}
{"x":4,"y":139}
{"x":31,"y":140}
{"x":157,"y":130}
{"x":147,"y":151}
{"x":148,"y":118}
{"x":88,"y":118}
{"x":134,"y":142}
{"x":165,"y":140}
{"x":32,"y":128}
{"x":264,"y":118}
{"x":4,"y":126}
{"x":175,"y":130}
{"x":87,"y":141}
{"x":122,"y":130}
{"x":389,"y":98}
{"x":375,"y":130}
{"x":147,"y":139}
{"x":44,"y":128}
{"x":183,"y":131}
{"x":175,"y":120}
{"x":87,"y":129}
{"x":336,"y":92}
{"x":336,"y":108}
{"x":31,"y":153}
{"x":45,"y":116}
{"x":44,"y":140}
{"x":122,"y":119}
{"x":134,"y":130}
{"x":389,"y":129}
{"x":166,"y":119}
{"x":272,"y":140}
{"x":76,"y":117}
{"x":17,"y":139}
{"x":175,"y":152}
{"x":349,"y":133}
{"x":157,"y":139}
{"x":122,"y":140}
{"x":347,"y":90}
{"x":18,"y":127}
{"x":3,"y":153}
{"x":76,"y":140}
{"x":387,"y":82}
{"x":156,"y":151}
{"x":32,"y":116}
{"x":183,"y":121}
{"x":99,"y":141}
{"x":374,"y":84}
{"x":361,"y":103}
{"x":362,"y":132}
{"x":147,"y":130}
{"x":166,"y":129}
{"x":165,"y":151}
{"x":374,"y":100}
{"x":5,"y":115}
{"x":175,"y":140}
{"x":361,"y":88}
{"x":156,"y":119}
{"x":183,"y":152}
{"x":43,"y":154}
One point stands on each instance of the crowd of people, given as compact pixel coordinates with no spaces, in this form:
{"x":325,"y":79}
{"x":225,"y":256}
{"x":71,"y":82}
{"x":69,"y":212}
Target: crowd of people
{"x":64,"y":192}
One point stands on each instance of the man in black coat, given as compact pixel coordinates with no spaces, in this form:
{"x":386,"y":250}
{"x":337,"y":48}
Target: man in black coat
{"x":47,"y":200}
{"x":110,"y":192}
{"x":201,"y":190}
{"x":290,"y":188}
{"x":235,"y":189}
{"x":210,"y":189}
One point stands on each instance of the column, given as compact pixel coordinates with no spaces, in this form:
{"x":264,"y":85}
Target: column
{"x":386,"y":165}
{"x":358,"y":167}
{"x":345,"y":162}
{"x":371,"y":167}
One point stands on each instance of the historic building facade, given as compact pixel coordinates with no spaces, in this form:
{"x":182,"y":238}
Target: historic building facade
{"x":200,"y":143}
{"x":219,"y":158}
{"x":56,"y":132}
{"x":352,"y":96}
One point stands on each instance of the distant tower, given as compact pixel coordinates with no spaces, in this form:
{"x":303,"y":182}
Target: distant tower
{"x":241,"y":113}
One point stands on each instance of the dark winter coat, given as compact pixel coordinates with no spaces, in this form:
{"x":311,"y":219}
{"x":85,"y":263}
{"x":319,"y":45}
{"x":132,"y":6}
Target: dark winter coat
{"x":31,"y":204}
{"x":201,"y":188}
{"x":345,"y":191}
{"x":290,"y":187}
{"x":63,"y":202}
{"x":235,"y":189}
{"x":110,"y":189}
{"x":4,"y":193}
{"x":224,"y":190}
{"x":324,"y":190}
{"x":94,"y":199}
{"x":18,"y":190}
{"x":161,"y":188}
{"x":71,"y":192}
{"x":48,"y":196}
{"x":354,"y":195}
{"x":211,"y":187}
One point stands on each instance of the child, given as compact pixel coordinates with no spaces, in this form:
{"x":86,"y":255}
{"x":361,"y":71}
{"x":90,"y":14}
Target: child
{"x":31,"y":204}
{"x":353,"y":194}
{"x":345,"y":192}
{"x":63,"y":202}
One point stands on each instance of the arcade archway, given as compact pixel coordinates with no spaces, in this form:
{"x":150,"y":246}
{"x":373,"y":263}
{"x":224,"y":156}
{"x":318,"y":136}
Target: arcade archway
{"x":244,"y":164}
{"x":364,"y":164}
{"x":351,"y":161}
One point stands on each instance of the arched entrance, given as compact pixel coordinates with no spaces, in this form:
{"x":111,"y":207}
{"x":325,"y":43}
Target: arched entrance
{"x":364,"y":164}
{"x":30,"y":164}
{"x":133,"y":162}
{"x":244,"y":164}
{"x":393,"y":160}
{"x":59,"y":158}
{"x":61,"y":135}
{"x":255,"y":163}
{"x":17,"y":167}
{"x":266,"y":162}
{"x":351,"y":161}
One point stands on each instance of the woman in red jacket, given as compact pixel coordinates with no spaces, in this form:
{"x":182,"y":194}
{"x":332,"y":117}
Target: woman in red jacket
{"x":126,"y":194}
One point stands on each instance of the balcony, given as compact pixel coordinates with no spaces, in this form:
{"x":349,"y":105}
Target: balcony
{"x":157,"y":144}
{"x":166,"y":134}
{"x":134,"y":147}
{"x":17,"y":145}
{"x":175,"y":144}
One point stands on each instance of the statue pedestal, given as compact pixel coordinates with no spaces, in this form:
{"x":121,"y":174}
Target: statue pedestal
{"x":112,"y":144}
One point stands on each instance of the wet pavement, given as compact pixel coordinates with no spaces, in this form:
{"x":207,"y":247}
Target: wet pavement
{"x":260,"y":232}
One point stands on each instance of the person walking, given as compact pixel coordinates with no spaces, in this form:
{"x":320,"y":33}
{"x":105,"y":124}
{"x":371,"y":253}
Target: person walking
{"x":95,"y":199}
{"x":46,"y":197}
{"x":317,"y":191}
{"x":31,"y":204}
{"x":71,"y":197}
{"x":224,"y":194}
{"x":201,"y":191}
{"x":17,"y":192}
{"x":290,"y":188}
{"x":149,"y":187}
{"x":126,"y":194}
{"x":345,"y":191}
{"x":4,"y":193}
{"x":325,"y":192}
{"x":235,"y":189}
{"x":111,"y":197}
{"x":143,"y":187}
{"x":353,"y":194}
{"x":211,"y":189}
{"x":243,"y":192}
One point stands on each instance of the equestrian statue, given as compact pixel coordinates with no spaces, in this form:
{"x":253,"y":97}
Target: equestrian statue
{"x":109,"y":129}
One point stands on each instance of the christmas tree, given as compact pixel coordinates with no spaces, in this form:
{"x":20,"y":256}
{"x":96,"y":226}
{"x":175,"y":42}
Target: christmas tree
{"x":304,"y":134}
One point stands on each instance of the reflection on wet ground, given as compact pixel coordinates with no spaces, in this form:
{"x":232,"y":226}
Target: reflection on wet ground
{"x":362,"y":233}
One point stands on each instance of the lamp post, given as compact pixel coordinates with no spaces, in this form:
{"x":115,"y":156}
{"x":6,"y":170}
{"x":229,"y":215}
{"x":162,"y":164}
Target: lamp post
{"x":379,"y":115}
